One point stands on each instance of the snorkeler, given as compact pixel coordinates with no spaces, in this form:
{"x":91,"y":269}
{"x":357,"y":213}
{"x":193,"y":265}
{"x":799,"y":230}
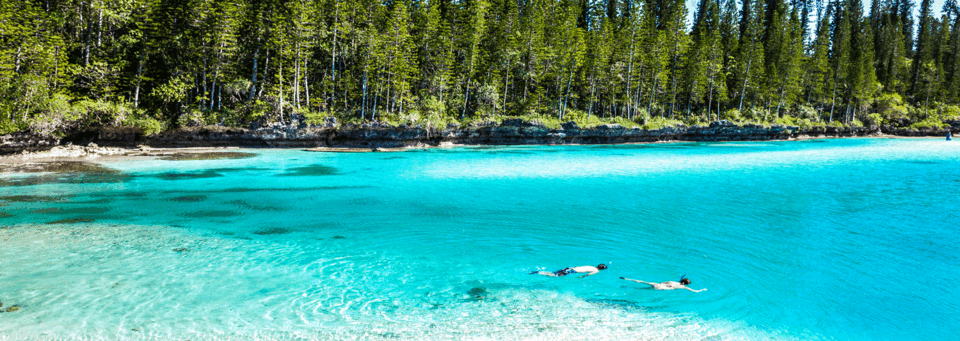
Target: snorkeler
{"x":586,"y":269}
{"x":671,"y":285}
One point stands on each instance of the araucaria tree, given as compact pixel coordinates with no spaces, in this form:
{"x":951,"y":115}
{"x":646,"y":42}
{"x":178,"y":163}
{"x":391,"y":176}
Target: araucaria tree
{"x":164,"y":64}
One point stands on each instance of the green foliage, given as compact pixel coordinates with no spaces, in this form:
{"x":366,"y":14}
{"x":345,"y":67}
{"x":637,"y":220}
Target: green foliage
{"x":875,"y":119}
{"x":929,"y":123}
{"x":147,"y":125}
{"x":891,"y":107}
{"x":950,"y":112}
{"x":63,"y":66}
{"x":659,"y":122}
{"x":732,"y":115}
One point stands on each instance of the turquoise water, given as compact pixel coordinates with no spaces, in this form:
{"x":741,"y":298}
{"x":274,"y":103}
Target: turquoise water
{"x":821,"y":239}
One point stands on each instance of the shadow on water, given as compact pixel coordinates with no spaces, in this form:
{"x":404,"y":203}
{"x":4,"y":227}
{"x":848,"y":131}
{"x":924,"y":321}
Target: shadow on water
{"x":312,"y":170}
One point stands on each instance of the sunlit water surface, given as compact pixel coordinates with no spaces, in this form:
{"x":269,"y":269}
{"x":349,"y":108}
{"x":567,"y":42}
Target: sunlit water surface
{"x":836,"y":239}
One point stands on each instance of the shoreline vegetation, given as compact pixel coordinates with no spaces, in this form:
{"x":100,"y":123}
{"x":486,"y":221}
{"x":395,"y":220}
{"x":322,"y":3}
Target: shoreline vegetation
{"x":243,"y":72}
{"x":201,"y":143}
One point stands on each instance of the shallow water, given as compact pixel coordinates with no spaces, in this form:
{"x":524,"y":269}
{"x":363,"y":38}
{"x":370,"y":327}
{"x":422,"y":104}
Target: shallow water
{"x":842,"y":239}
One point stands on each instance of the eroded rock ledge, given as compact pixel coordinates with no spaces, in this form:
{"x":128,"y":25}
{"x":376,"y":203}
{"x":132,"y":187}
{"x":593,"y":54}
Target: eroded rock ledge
{"x":374,"y":135}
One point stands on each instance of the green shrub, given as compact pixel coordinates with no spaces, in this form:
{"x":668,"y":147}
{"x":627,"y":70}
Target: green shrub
{"x":656,"y":122}
{"x":929,"y":123}
{"x":191,"y":118}
{"x":147,"y":125}
{"x":875,"y":119}
{"x":891,"y":107}
{"x":732,"y":115}
{"x":950,"y":112}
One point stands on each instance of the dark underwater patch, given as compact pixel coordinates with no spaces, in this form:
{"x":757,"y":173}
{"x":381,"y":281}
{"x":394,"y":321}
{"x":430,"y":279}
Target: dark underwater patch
{"x":206,"y":156}
{"x":210,"y":214}
{"x":245,"y":205}
{"x":35,"y":198}
{"x":71,"y":172}
{"x":312,"y":170}
{"x":272,"y":230}
{"x":57,"y":167}
{"x":339,"y":237}
{"x":71,"y":221}
{"x":618,"y":304}
{"x":187,"y":175}
{"x":190,"y":198}
{"x":5,"y":215}
{"x":924,"y":162}
{"x":239,"y":169}
{"x":477,"y":292}
{"x":96,"y":201}
{"x":76,"y":210}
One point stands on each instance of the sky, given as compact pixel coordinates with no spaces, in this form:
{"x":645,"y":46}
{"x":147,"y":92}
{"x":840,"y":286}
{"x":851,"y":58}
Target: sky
{"x":937,"y":7}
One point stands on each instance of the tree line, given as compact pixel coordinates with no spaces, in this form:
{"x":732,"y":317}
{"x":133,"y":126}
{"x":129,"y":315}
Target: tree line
{"x":162,"y":64}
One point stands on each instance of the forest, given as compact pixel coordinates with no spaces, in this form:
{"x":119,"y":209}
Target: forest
{"x":165,"y":64}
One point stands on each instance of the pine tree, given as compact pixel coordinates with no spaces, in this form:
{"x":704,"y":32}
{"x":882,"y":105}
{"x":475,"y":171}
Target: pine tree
{"x":923,"y":57}
{"x":751,"y":53}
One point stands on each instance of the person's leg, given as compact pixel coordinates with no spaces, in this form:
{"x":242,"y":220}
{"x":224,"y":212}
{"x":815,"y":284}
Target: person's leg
{"x":545,"y":273}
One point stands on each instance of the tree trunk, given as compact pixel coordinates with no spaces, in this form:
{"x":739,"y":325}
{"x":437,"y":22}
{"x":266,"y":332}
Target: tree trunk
{"x":253,"y":76}
{"x":136,"y":92}
{"x":743,"y":90}
{"x":266,"y":69}
{"x":333,"y":59}
{"x":296,"y":78}
{"x":306,"y":80}
{"x":100,"y":24}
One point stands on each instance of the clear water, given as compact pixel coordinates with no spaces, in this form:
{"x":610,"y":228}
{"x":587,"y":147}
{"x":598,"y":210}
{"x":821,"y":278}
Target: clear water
{"x":835,"y":239}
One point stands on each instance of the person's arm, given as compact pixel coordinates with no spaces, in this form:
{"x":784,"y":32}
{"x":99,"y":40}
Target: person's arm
{"x":637,"y":280}
{"x":704,"y":289}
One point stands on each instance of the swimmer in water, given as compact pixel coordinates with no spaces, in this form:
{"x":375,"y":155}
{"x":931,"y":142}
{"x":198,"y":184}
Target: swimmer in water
{"x":586,"y":269}
{"x":671,"y":285}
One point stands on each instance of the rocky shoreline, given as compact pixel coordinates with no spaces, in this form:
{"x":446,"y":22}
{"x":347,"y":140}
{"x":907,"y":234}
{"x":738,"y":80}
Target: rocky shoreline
{"x":373,"y":136}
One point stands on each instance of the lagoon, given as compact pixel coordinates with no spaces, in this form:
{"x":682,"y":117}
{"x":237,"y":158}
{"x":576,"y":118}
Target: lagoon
{"x":816,"y":239}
